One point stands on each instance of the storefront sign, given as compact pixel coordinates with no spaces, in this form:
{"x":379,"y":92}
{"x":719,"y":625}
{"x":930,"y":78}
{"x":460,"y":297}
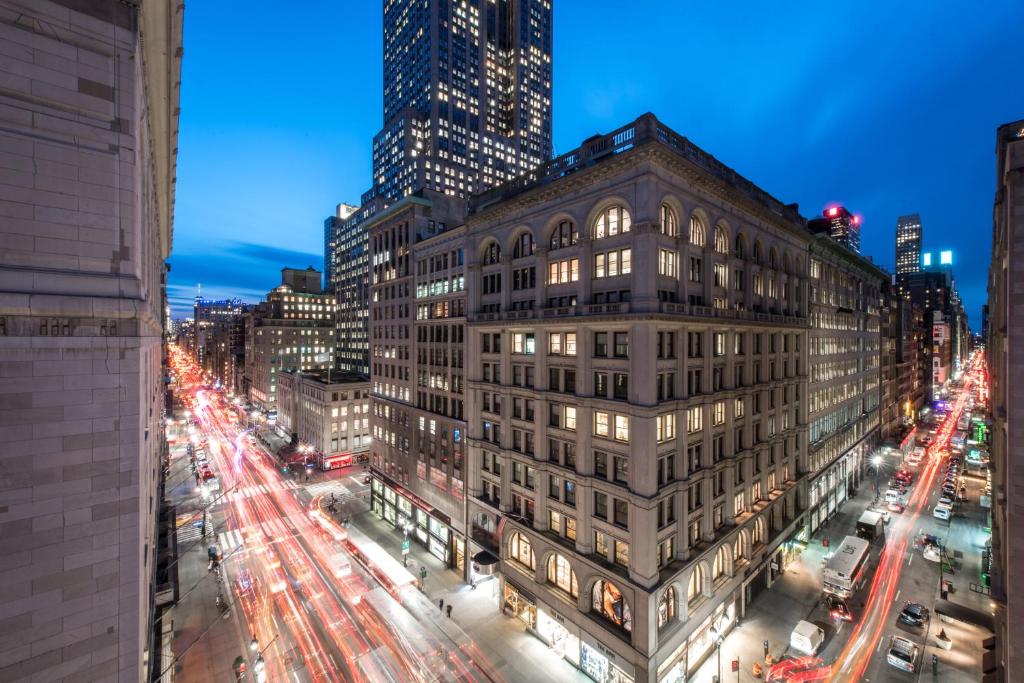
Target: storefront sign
{"x":600,"y":651}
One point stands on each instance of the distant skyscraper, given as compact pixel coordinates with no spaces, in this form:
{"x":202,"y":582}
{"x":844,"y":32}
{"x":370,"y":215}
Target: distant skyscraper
{"x":467,"y":107}
{"x":844,"y":227}
{"x":467,"y":96}
{"x":332,"y":224}
{"x":908,"y":244}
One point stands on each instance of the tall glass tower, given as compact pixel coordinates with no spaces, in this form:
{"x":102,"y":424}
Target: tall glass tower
{"x":467,"y":106}
{"x":467,"y":95}
{"x":908,"y":244}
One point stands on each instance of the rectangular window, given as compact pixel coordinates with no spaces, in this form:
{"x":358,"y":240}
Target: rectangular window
{"x":621,"y":386}
{"x":601,"y":423}
{"x":621,"y":553}
{"x":666,"y":345}
{"x":601,"y":344}
{"x":666,"y":551}
{"x":622,"y":345}
{"x":523,"y":343}
{"x":718,"y":340}
{"x":564,"y":271}
{"x":600,"y":464}
{"x":601,"y":384}
{"x":601,"y":544}
{"x":696,"y":269}
{"x":620,"y":470}
{"x":667,"y":263}
{"x":719,"y":413}
{"x":555,"y":344}
{"x":622,"y":428}
{"x":600,"y":505}
{"x":694,"y":419}
{"x":721,"y":275}
{"x":666,"y":427}
{"x":621,"y":511}
{"x":738,"y":408}
{"x":613,"y":263}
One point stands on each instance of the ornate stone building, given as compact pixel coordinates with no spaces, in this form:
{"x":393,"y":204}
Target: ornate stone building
{"x":88,"y":142}
{"x":636,"y":397}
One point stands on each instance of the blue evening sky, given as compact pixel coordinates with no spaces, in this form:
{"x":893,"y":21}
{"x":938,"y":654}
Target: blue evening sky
{"x":886,"y":107}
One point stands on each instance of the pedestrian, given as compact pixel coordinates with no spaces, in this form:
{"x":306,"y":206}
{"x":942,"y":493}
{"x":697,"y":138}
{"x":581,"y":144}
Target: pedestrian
{"x":449,"y":609}
{"x":440,"y":605}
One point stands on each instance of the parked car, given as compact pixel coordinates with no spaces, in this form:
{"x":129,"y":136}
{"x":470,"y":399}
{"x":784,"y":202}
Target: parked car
{"x":942,"y":512}
{"x":903,"y":654}
{"x":914,"y":614}
{"x":896,"y":506}
{"x":946,"y":501}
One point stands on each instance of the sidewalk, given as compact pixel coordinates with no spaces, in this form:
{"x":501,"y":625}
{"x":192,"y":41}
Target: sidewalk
{"x":504,"y":647}
{"x":213,"y":653}
{"x":792,"y":597}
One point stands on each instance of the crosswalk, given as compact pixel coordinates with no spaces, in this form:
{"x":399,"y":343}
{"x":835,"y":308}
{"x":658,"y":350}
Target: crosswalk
{"x":274,"y":529}
{"x":260,"y":490}
{"x":326,"y":488}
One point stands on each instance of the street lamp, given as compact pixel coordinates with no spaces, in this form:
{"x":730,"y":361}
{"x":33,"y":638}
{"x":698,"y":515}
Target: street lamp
{"x":877,"y":462}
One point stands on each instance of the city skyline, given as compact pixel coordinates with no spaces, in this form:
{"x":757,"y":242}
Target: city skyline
{"x":298,"y":166}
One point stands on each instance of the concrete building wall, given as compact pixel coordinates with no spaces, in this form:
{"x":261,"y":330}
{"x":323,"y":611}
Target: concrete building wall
{"x":1006,"y":373}
{"x":88,"y":126}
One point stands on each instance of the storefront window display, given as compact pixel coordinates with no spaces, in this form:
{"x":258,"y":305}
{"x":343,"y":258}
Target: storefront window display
{"x":561,"y":575}
{"x":607,"y":601}
{"x":564,"y":643}
{"x":597,"y":666}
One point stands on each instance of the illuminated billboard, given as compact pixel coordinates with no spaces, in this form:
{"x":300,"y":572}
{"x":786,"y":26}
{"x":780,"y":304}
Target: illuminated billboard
{"x":945,"y":258}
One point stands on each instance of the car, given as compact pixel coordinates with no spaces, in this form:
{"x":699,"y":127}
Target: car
{"x":942,"y":512}
{"x":903,"y":654}
{"x":914,"y":614}
{"x":932,"y":553}
{"x":884,"y":514}
{"x":895,"y":506}
{"x":838,"y":608}
{"x":948,"y":502}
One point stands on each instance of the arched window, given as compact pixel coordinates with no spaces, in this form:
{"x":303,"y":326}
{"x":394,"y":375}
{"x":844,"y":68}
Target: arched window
{"x":737,"y":548}
{"x":609,"y":603}
{"x":757,"y":253}
{"x":773,"y":259}
{"x":667,"y":606}
{"x":520,"y":550}
{"x":721,"y":240}
{"x":741,"y":246}
{"x":721,"y":563}
{"x":758,"y":531}
{"x":492,"y":254}
{"x":669,"y":222}
{"x":612,"y":221}
{"x":696,"y":587}
{"x":696,"y":231}
{"x":564,"y":235}
{"x":523,"y":246}
{"x":561,"y":575}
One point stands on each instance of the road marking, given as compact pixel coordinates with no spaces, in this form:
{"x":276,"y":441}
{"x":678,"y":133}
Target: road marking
{"x":910,"y":560}
{"x":897,"y":595}
{"x":880,"y":641}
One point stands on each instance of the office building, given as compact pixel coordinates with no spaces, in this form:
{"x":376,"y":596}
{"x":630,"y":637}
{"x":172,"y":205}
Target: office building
{"x":467,"y":106}
{"x":841,"y":225}
{"x":326,"y":414}
{"x":1005,"y":349}
{"x":292,"y":330}
{"x":211,"y":318}
{"x":225,"y":351}
{"x":467,"y":96}
{"x":88,"y":141}
{"x":351,"y":268}
{"x":908,"y":244}
{"x":844,"y":393}
{"x":332,"y":228}
{"x":636,"y":378}
{"x":417,"y":334}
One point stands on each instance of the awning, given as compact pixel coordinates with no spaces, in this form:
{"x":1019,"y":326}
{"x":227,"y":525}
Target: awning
{"x":965,"y":614}
{"x":485,"y":563}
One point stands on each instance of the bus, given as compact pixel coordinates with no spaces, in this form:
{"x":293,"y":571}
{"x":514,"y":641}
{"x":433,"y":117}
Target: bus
{"x":387,"y":570}
{"x":847,"y":569}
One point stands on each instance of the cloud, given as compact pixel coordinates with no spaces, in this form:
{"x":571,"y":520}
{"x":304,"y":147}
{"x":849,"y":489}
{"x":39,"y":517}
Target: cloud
{"x":247,"y":270}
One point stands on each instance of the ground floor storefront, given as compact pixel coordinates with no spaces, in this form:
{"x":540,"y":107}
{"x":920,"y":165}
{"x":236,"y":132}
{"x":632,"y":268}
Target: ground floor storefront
{"x":599,"y":662}
{"x":420,"y":523}
{"x":827,"y":492}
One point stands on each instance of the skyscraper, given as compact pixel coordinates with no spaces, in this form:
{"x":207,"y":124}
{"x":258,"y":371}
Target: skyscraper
{"x":467,"y":106}
{"x":467,"y":96}
{"x":908,"y":244}
{"x":332,"y":226}
{"x":840,"y":225}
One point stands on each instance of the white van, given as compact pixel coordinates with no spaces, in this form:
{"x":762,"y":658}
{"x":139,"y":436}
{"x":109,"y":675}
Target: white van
{"x":806,"y":638}
{"x":942,"y":512}
{"x":893,"y":496}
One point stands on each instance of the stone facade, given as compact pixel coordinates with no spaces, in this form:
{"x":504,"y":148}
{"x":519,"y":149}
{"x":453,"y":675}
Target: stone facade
{"x":636,"y":389}
{"x":88,"y":128}
{"x":330,"y":413}
{"x":1006,"y":374}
